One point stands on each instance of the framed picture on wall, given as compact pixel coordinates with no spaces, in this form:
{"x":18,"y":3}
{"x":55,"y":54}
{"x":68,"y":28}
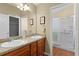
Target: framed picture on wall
{"x":42,"y":20}
{"x":31,"y":21}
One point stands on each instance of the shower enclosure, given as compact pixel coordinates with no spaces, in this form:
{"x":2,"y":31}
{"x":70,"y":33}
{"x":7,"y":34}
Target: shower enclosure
{"x":62,"y":24}
{"x":63,"y":36}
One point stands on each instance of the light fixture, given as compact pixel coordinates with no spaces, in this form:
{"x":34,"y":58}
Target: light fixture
{"x":23,"y":7}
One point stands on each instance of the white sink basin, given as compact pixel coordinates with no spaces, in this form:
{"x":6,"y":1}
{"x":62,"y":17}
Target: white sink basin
{"x":36,"y":37}
{"x":13,"y":43}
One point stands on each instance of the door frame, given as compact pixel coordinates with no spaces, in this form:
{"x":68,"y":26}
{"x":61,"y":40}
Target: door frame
{"x":76,"y":19}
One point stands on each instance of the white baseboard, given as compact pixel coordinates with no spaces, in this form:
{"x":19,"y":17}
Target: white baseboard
{"x":47,"y":54}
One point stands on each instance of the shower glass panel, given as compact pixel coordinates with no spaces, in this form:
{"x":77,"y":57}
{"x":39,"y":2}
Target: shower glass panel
{"x":63,"y":33}
{"x":56,"y":30}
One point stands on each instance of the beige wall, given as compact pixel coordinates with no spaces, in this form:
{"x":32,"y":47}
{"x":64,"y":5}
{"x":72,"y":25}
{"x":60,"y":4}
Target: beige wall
{"x":66,"y":11}
{"x":32,"y":15}
{"x":8,"y":9}
{"x":44,"y":10}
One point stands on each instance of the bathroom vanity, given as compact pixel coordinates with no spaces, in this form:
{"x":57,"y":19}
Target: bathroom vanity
{"x":33,"y":47}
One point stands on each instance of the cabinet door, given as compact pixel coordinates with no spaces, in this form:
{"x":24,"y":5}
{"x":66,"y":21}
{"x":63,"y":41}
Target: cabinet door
{"x":41,"y":47}
{"x":23,"y":51}
{"x":34,"y":49}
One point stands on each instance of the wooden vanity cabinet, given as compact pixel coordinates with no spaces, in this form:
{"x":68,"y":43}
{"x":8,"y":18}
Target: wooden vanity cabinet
{"x":34,"y":49}
{"x":38,"y":47}
{"x":41,"y":47}
{"x":23,"y":51}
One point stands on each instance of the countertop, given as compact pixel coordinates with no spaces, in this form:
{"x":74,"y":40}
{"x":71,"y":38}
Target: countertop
{"x":27,"y":40}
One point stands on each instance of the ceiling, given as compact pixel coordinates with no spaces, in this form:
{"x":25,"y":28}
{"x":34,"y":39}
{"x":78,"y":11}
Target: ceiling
{"x":36,"y":4}
{"x":15,"y":4}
